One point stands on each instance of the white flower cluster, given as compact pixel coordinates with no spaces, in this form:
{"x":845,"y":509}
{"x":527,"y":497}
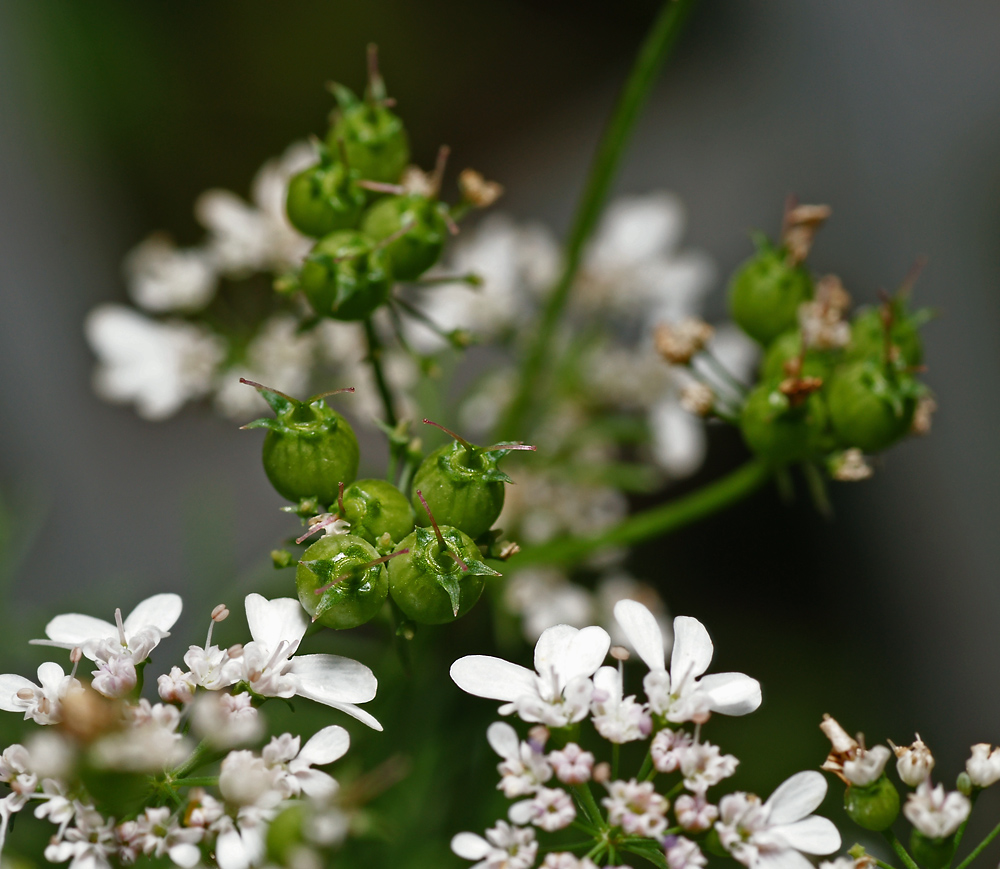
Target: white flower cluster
{"x":104,"y":728}
{"x":552,"y":786}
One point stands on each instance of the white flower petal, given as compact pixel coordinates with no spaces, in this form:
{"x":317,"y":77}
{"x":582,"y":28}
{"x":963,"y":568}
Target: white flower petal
{"x":230,"y":852}
{"x":785,"y":858}
{"x":503,"y":739}
{"x":10,"y":684}
{"x":731,"y":693}
{"x":493,"y":678}
{"x":318,"y":785}
{"x":326,"y":746}
{"x":334,"y":678}
{"x":813,"y":835}
{"x":550,"y":650}
{"x":679,"y":442}
{"x":161,"y":611}
{"x":796,"y":797}
{"x":522,"y":812}
{"x":585,"y":653}
{"x":470,"y":846}
{"x":693,"y":649}
{"x":185,"y":855}
{"x":50,"y":675}
{"x":272,"y":621}
{"x":643,"y":632}
{"x":606,"y":679}
{"x":365,"y":718}
{"x":74,"y":629}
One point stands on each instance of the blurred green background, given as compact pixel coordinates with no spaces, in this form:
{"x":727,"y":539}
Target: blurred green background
{"x":115,"y":115}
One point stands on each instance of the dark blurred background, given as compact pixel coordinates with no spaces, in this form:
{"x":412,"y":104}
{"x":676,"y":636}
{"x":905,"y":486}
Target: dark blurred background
{"x":114,"y":116}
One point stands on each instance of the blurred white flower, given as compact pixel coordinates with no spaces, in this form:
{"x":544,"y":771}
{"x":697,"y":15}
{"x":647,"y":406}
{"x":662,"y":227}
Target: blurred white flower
{"x":935,"y":813}
{"x":162,"y":277}
{"x":636,"y":807}
{"x":544,"y":597}
{"x":42,"y":703}
{"x":505,"y":847}
{"x":983,"y":766}
{"x":156,"y":365}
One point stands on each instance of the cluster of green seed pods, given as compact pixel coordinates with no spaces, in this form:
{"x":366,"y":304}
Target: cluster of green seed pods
{"x":424,"y":550}
{"x":829,"y":382}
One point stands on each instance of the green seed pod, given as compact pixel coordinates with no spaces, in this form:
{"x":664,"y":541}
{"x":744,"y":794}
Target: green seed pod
{"x":358,"y":583}
{"x":324,"y":198}
{"x":787,"y":347}
{"x":871,"y":405}
{"x":931,"y":853}
{"x":868,"y":333}
{"x":462,"y":485}
{"x":375,"y":508}
{"x":374,"y":138}
{"x":309,"y":449}
{"x":874,"y":806}
{"x":416,"y":248}
{"x":777,"y":431}
{"x":429,"y":584}
{"x":765,"y":294}
{"x":346,"y":276}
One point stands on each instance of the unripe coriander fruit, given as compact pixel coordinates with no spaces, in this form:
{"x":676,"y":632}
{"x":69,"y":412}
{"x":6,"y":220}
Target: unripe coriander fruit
{"x":787,"y":347}
{"x":346,"y":276}
{"x":776,"y":431}
{"x":868,"y":334}
{"x":765,"y":294}
{"x":324,"y":198}
{"x":374,"y":140}
{"x":873,"y":807}
{"x":429,"y":584}
{"x":309,"y":449}
{"x":931,"y":853}
{"x":871,"y":406}
{"x":375,"y":508}
{"x":356,"y":586}
{"x":417,"y":248}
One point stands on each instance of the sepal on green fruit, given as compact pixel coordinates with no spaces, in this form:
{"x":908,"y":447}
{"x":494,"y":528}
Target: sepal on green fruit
{"x":375,"y":508}
{"x":342,"y":581}
{"x":875,"y":806}
{"x":932,"y":853}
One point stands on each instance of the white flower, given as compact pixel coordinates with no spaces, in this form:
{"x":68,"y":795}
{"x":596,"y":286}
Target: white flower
{"x":156,"y":834}
{"x":246,"y":780}
{"x":211,"y":667}
{"x":867,"y":765}
{"x":523,"y":769}
{"x":42,"y":703}
{"x":550,"y":809}
{"x":157,"y":365}
{"x":566,"y":860}
{"x":544,"y":597}
{"x":935,"y":813}
{"x":695,"y":813}
{"x":162,"y":277}
{"x":505,"y":847}
{"x":88,"y":845}
{"x":116,"y":648}
{"x":679,"y":445}
{"x":151,"y":745}
{"x":684,"y":694}
{"x":176,"y":686}
{"x":573,"y":765}
{"x":702,"y":766}
{"x":772,"y":834}
{"x":245,"y":238}
{"x":269,"y":668}
{"x":636,"y":808}
{"x":618,"y":719}
{"x":682,"y":853}
{"x":226,"y":720}
{"x":983,"y":766}
{"x":296,"y":772}
{"x":558,"y":693}
{"x":668,"y":747}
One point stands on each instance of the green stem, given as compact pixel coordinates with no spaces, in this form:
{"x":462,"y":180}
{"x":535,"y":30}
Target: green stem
{"x":980,"y":847}
{"x":880,"y":863}
{"x":656,"y":521}
{"x":724,"y":375}
{"x":616,"y":751}
{"x":897,"y":846}
{"x":589,"y":804}
{"x":205,"y":781}
{"x":646,"y":768}
{"x":203,"y":753}
{"x":652,"y":54}
{"x":961,"y":829}
{"x":375,"y":360}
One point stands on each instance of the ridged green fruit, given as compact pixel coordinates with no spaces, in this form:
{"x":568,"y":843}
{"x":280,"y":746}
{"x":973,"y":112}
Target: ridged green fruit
{"x":414,"y":251}
{"x":359,"y":587}
{"x":324,"y":198}
{"x":781,"y":433}
{"x":346,"y":276}
{"x":375,"y":508}
{"x":871,"y":405}
{"x":875,"y":806}
{"x":765,"y":294}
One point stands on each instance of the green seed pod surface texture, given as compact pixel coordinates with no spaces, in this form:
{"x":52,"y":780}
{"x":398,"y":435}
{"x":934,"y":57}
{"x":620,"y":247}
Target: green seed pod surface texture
{"x":788,"y":346}
{"x":868,"y":335}
{"x":353,"y":600}
{"x":931,"y":853}
{"x":323,"y":199}
{"x":765,"y":294}
{"x":873,"y":807}
{"x":775,"y":430}
{"x":375,"y":508}
{"x":428,"y":585}
{"x":871,"y":407}
{"x":374,"y":139}
{"x":420,"y":247}
{"x":346,"y":276}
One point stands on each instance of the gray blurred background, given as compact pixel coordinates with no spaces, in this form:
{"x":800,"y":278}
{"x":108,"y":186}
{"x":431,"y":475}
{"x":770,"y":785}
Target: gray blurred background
{"x":115,"y":115}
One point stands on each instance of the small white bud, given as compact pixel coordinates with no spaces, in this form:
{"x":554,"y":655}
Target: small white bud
{"x":984,"y":765}
{"x":913,"y":763}
{"x":867,"y":765}
{"x":850,"y":466}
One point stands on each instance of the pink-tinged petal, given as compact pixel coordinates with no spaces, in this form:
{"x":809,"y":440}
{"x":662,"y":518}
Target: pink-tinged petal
{"x":470,"y":846}
{"x":74,"y":629}
{"x":493,"y":678}
{"x":503,"y":739}
{"x":521,"y":813}
{"x":318,"y":785}
{"x":326,"y":746}
{"x":796,"y":797}
{"x":693,"y":649}
{"x":550,"y":650}
{"x":813,"y":835}
{"x":50,"y":675}
{"x":339,"y":679}
{"x":585,"y":653}
{"x":643,"y":632}
{"x":272,"y":621}
{"x":731,"y":693}
{"x":607,"y":679}
{"x":10,"y":684}
{"x":185,"y":855}
{"x":786,"y":858}
{"x":161,"y":611}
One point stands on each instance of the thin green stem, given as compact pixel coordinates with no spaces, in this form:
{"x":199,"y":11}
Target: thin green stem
{"x":657,"y":46}
{"x":881,"y":863}
{"x":960,"y":832}
{"x":616,"y":751}
{"x":724,"y":374}
{"x":897,"y":846}
{"x":589,"y":804}
{"x":375,"y":360}
{"x":204,"y":752}
{"x":205,"y":781}
{"x":646,"y":768}
{"x":980,"y":847}
{"x":656,"y":521}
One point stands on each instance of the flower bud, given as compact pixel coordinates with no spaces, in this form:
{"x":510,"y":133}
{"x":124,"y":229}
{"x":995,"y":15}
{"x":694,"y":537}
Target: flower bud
{"x":698,"y":399}
{"x":874,"y":806}
{"x":914,"y":763}
{"x":678,"y":342}
{"x":849,"y":466}
{"x":984,"y":765}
